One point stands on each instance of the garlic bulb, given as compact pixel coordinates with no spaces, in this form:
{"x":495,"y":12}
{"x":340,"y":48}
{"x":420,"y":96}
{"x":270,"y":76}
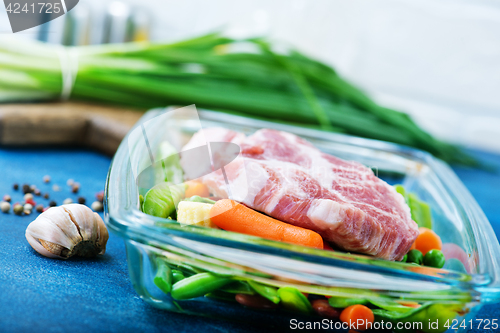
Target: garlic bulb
{"x":68,"y":230}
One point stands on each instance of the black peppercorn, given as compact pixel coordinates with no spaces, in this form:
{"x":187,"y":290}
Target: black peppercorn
{"x":52,"y":203}
{"x":46,"y":196}
{"x":81,"y":200}
{"x":15,"y":187}
{"x":26,"y":189}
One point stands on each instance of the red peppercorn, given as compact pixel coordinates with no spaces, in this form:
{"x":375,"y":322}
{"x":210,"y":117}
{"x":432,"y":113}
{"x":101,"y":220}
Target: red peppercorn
{"x":31,"y":202}
{"x":100,"y":196}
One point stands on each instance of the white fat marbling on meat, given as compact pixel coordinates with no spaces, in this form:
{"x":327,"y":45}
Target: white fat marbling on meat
{"x":325,"y":213}
{"x":252,"y":177}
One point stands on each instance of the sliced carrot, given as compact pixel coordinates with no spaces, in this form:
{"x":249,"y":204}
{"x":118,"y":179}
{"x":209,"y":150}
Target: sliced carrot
{"x":196,"y":188}
{"x":427,"y":240}
{"x":358,"y":316}
{"x":232,"y":216}
{"x":409,"y":304}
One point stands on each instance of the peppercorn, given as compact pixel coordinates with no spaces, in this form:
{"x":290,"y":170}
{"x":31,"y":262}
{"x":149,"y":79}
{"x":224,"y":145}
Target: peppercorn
{"x":26,"y":188}
{"x":46,"y":196}
{"x":46,"y":178}
{"x":75,"y":188}
{"x":33,"y":188}
{"x":67,"y":201}
{"x":70,"y":182}
{"x":100,"y":196}
{"x":39,"y":208}
{"x":5,"y":206}
{"x":27,"y":212}
{"x":81,"y":200}
{"x":56,"y":188}
{"x":15,"y":187}
{"x":96,"y":206}
{"x":28,"y":207}
{"x":18,"y":209}
{"x":37,"y":192}
{"x":7,"y":198}
{"x":52,"y":203}
{"x":28,"y":196}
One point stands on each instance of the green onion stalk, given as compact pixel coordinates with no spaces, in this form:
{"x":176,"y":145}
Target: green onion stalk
{"x":245,"y":77}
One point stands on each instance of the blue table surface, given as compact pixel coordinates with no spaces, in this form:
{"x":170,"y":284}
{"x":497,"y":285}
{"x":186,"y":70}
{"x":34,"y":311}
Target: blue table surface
{"x":81,"y":295}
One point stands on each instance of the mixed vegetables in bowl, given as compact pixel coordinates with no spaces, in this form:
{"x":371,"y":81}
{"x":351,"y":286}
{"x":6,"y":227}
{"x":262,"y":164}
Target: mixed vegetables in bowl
{"x":195,"y":207}
{"x":191,"y":250}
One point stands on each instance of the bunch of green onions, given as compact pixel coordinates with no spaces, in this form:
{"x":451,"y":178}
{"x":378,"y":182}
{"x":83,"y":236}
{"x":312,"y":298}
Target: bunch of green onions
{"x":243,"y":77}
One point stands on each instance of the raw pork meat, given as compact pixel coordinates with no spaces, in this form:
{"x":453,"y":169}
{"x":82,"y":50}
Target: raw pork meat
{"x":287,"y":178}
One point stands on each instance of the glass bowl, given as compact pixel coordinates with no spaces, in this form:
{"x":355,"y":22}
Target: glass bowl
{"x":151,"y":241}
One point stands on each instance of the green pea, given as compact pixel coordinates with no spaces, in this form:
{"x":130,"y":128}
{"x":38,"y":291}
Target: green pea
{"x":415,"y":256}
{"x":163,"y":277}
{"x":294,"y":300}
{"x":405,"y":258}
{"x":434,"y":258}
{"x":198,"y":285}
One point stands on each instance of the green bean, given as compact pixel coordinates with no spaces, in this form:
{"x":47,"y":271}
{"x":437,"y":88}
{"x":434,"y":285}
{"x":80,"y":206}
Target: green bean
{"x":177,"y":276}
{"x":268,"y":292}
{"x":344,"y":302}
{"x":427,"y":313}
{"x":238,"y":287}
{"x":189,"y":270}
{"x":163,"y":277}
{"x":162,"y":199}
{"x":198,"y":285}
{"x":292,"y":299}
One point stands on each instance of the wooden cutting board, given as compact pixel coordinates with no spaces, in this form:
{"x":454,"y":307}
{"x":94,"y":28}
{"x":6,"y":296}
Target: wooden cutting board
{"x":70,"y":124}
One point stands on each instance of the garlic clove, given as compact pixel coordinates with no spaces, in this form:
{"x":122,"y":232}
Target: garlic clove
{"x":55,"y":226}
{"x":38,"y":247}
{"x":64,"y":231}
{"x":84,"y":220}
